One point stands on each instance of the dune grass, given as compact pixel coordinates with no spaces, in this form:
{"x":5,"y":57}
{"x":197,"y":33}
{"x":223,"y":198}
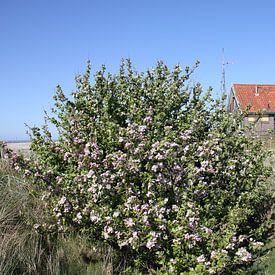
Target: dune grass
{"x":23,"y":250}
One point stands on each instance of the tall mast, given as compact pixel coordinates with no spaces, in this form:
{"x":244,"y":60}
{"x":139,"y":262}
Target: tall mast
{"x":223,"y":88}
{"x":224,"y":63}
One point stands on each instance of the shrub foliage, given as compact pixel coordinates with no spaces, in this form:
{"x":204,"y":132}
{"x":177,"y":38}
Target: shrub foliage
{"x":156,"y":169}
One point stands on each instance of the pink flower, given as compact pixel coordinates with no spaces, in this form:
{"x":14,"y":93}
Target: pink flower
{"x":150,"y":244}
{"x":90,"y":173}
{"x":148,"y":119}
{"x":201,"y":259}
{"x":62,"y":200}
{"x":129,"y":222}
{"x":244,"y":255}
{"x":67,"y":155}
{"x":86,"y":151}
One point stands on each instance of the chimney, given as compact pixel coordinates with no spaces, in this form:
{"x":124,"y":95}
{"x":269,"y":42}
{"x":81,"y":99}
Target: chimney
{"x":257,"y":91}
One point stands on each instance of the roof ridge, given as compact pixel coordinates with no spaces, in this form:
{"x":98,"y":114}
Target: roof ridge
{"x":247,"y":84}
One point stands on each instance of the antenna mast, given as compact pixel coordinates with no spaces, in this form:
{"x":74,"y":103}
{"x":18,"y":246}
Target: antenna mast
{"x":223,"y":89}
{"x":224,"y":63}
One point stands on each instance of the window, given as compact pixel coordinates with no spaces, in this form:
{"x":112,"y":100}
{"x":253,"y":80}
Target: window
{"x":251,"y":119}
{"x":264,"y":119}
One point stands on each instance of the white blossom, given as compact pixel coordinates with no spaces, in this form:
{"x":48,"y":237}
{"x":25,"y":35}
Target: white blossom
{"x":244,"y":255}
{"x":62,"y":200}
{"x":201,"y":259}
{"x":129,"y":222}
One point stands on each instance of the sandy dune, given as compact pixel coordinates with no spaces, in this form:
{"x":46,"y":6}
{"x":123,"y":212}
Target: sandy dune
{"x":22,"y":147}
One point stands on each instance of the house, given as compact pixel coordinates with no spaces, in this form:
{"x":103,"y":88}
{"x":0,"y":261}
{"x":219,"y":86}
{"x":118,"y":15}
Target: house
{"x":259,"y":97}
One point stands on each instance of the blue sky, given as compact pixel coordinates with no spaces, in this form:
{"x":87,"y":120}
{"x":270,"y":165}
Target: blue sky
{"x":45,"y":43}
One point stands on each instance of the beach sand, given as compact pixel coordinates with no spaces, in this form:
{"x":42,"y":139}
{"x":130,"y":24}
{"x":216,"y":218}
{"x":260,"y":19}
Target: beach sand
{"x":19,"y":147}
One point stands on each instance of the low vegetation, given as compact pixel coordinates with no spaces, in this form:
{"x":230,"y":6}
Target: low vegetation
{"x":25,"y":250}
{"x":153,"y":175}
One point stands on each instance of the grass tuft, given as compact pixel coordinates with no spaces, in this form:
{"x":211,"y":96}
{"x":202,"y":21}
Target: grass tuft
{"x":23,"y":250}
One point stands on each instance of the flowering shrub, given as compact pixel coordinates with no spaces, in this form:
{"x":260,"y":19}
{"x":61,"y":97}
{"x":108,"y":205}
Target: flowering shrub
{"x":154,"y":168}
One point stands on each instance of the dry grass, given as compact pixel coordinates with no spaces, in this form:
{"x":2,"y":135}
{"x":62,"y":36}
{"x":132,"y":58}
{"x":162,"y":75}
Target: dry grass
{"x":23,"y":250}
{"x":20,"y":246}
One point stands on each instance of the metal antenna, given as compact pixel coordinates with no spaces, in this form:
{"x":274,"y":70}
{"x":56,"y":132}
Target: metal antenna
{"x":224,"y":63}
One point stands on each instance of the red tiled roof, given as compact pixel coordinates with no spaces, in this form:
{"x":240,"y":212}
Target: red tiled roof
{"x":259,"y":97}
